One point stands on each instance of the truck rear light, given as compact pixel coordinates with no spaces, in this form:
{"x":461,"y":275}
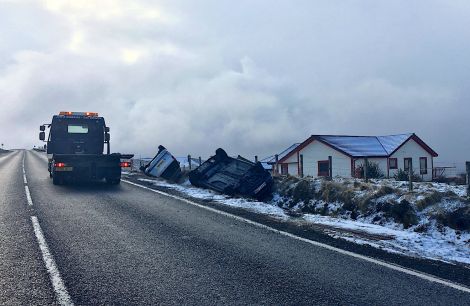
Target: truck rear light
{"x":59,"y":165}
{"x":86,"y":114}
{"x":125,"y":164}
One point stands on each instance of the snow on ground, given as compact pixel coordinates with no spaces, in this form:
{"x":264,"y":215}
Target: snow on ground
{"x":444,"y":244}
{"x":205,"y":194}
{"x":422,"y":187}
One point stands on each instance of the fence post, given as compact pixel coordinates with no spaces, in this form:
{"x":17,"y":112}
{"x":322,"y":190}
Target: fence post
{"x":468,"y":178}
{"x":301,"y":165}
{"x":256,"y":158}
{"x":410,"y":175}
{"x":276,"y":165}
{"x":366,"y":169}
{"x":189,"y":162}
{"x":200,"y":160}
{"x":330,"y":167}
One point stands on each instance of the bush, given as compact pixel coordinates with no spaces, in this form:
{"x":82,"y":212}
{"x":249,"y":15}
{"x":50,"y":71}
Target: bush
{"x":458,"y":219}
{"x":284,"y":184}
{"x":368,"y":204}
{"x":403,"y":213}
{"x":335,"y":192}
{"x":384,"y":190}
{"x":429,"y":200}
{"x":403,"y":175}
{"x":373,"y":170}
{"x":303,"y":192}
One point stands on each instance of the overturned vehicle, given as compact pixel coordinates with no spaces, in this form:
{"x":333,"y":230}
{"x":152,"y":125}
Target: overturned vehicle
{"x":163,"y":165}
{"x":233,"y":176}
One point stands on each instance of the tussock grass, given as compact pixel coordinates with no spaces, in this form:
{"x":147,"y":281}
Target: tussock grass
{"x":429,"y":200}
{"x":358,"y":199}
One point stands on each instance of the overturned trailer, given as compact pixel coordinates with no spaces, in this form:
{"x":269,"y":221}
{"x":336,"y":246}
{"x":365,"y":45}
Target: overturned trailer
{"x":163,"y":165}
{"x":233,"y":176}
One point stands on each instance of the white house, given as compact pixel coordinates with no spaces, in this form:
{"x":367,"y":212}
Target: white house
{"x":269,"y":162}
{"x":343,"y":154}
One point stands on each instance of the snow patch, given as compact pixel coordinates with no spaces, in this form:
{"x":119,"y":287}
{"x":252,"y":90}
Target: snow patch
{"x":437,"y":242}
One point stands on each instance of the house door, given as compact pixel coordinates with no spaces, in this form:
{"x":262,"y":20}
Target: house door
{"x":408,"y":164}
{"x":323,"y":168}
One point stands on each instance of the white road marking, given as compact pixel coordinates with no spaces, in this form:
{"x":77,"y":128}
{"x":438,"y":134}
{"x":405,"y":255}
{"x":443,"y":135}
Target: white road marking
{"x":63,"y":297}
{"x":23,"y":164}
{"x":28,"y":196}
{"x":315,"y":243}
{"x":24,"y":174}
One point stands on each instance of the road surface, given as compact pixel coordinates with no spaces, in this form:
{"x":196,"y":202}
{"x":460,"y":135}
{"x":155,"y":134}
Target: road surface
{"x":125,"y":245}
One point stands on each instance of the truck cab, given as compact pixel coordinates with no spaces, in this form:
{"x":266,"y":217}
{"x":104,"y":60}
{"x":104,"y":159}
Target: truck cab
{"x":75,"y":146}
{"x":72,"y":133}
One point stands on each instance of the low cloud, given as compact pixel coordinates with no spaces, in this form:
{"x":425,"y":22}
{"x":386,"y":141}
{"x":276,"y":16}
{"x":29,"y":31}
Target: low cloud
{"x":182,"y":76}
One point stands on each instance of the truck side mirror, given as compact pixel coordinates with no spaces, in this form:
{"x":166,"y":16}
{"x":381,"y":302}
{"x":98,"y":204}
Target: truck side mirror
{"x":106,"y":129}
{"x":106,"y":137}
{"x":42,"y":136}
{"x":42,"y":128}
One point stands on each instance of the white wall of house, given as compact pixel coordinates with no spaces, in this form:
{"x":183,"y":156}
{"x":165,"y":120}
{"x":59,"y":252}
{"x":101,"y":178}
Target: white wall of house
{"x":293,"y":169}
{"x":292,"y":165}
{"x":292,"y":159}
{"x":317,"y":151}
{"x":411,"y":149}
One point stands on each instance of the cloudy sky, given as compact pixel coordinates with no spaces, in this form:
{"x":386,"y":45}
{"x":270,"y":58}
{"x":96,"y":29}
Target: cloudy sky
{"x":251,"y":76}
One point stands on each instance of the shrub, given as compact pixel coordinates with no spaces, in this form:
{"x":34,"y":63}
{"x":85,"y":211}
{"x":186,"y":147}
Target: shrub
{"x":368,"y":203}
{"x":284,"y":185}
{"x":303,"y":192}
{"x":403,"y":213}
{"x":384,"y":190}
{"x":335,"y":192}
{"x":429,"y":200}
{"x":403,"y":175}
{"x":373,"y":170}
{"x":330,"y":191}
{"x":458,"y":219}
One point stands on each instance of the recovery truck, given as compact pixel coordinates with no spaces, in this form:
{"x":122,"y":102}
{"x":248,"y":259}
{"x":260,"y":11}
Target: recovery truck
{"x":75,"y":149}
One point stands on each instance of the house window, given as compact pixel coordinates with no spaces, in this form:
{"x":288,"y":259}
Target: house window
{"x":423,"y":165}
{"x":408,"y":164}
{"x":323,"y":168}
{"x":284,"y":169}
{"x":393,"y":163}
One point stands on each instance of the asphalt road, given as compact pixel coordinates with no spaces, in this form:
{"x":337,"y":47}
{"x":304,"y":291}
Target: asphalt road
{"x":125,"y":245}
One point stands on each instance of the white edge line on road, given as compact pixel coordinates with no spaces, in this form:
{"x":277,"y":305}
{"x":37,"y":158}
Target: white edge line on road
{"x":318,"y":244}
{"x":24,"y":179}
{"x":63,"y":297}
{"x":28,"y":196}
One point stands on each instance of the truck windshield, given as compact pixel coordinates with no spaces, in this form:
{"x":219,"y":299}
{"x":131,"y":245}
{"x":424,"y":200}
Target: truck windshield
{"x":77,"y":129}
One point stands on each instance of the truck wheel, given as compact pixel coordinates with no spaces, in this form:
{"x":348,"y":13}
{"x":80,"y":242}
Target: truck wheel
{"x":113,"y":181}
